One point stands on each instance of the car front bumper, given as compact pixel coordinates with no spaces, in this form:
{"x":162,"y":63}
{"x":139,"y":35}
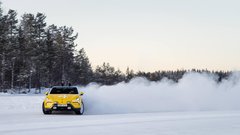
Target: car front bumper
{"x":63,"y":107}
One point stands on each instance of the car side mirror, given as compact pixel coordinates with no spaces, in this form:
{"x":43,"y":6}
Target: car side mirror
{"x":46,"y":93}
{"x":81,"y":93}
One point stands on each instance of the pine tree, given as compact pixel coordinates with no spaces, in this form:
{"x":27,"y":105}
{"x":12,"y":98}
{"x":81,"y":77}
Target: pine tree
{"x":1,"y":11}
{"x":38,"y":58}
{"x":12,"y":52}
{"x":50,"y":54}
{"x":29,"y":34}
{"x":3,"y":49}
{"x":83,"y":70}
{"x":66,"y":46}
{"x":129,"y":74}
{"x":22,"y":74}
{"x":107,"y":75}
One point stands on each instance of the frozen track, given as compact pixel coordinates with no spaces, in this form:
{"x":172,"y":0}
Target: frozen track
{"x":22,"y":120}
{"x":177,"y":123}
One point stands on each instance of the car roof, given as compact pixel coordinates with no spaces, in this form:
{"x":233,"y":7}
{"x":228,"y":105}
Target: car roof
{"x":64,"y":87}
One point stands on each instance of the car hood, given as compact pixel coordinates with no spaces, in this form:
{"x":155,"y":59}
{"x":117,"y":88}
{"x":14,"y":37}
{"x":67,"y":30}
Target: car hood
{"x":63,"y":98}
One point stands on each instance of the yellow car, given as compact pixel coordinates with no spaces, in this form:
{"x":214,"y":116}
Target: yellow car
{"x":62,"y":98}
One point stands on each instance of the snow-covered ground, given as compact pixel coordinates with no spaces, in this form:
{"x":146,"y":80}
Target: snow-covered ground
{"x":21,"y":115}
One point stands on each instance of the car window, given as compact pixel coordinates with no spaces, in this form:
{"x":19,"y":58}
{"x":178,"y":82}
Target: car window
{"x":64,"y":91}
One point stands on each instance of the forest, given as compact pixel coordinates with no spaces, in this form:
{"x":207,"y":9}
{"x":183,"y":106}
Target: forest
{"x":34,"y":54}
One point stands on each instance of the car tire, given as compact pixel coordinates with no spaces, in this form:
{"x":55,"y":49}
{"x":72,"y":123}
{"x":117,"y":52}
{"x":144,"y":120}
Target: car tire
{"x":81,"y":110}
{"x":45,"y":111}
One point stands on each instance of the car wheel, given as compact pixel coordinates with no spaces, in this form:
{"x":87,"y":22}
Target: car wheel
{"x":81,"y":110}
{"x":45,"y":111}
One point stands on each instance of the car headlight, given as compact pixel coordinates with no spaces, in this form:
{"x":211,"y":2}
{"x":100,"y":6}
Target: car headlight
{"x":48,"y":100}
{"x":77,"y":100}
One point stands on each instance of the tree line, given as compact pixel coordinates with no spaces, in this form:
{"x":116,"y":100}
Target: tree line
{"x":34,"y":55}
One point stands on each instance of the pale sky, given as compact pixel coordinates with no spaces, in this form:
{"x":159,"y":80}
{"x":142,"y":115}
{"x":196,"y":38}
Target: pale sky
{"x":148,"y":35}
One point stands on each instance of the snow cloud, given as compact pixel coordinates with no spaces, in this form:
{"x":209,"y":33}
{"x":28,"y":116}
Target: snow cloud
{"x":194,"y":92}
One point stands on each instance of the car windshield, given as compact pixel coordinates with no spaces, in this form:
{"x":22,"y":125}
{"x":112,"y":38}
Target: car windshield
{"x":64,"y":91}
